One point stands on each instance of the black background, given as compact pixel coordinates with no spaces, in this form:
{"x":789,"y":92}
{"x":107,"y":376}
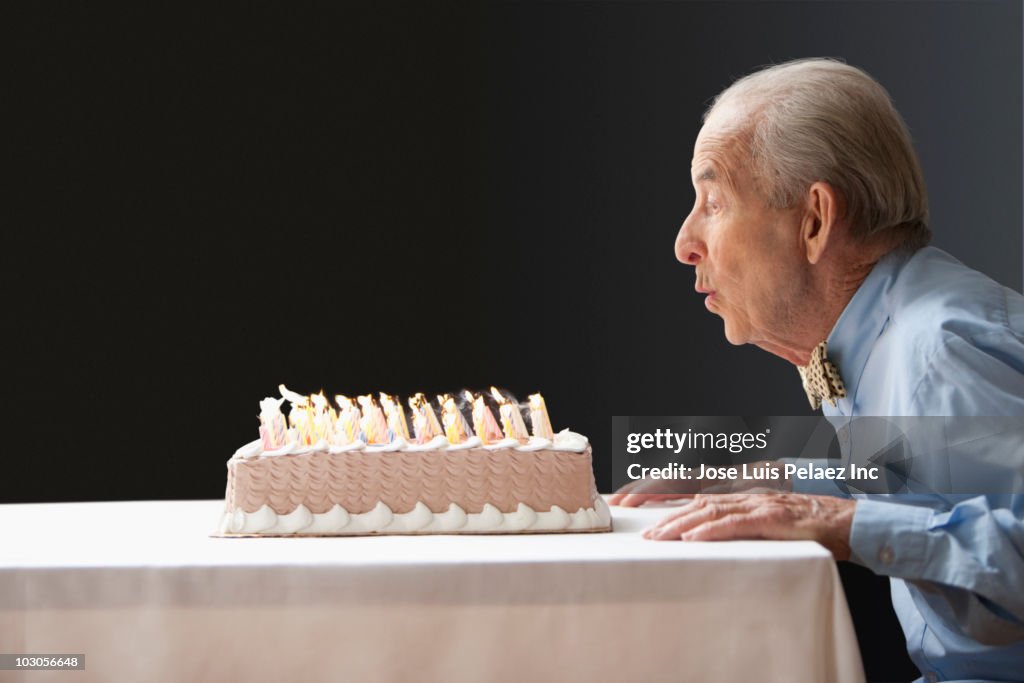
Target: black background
{"x":417,"y":197}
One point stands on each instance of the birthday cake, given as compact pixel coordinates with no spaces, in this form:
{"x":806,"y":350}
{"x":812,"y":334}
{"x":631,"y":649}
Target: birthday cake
{"x":357,"y":469}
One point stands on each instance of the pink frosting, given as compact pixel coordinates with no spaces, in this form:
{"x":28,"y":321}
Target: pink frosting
{"x":357,"y":480}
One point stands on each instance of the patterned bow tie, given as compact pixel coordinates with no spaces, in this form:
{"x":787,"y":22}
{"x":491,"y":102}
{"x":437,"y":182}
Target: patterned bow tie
{"x":821,"y":378}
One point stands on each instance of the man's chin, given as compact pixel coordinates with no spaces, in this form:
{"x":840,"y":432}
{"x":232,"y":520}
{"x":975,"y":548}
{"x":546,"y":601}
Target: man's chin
{"x":733,"y":335}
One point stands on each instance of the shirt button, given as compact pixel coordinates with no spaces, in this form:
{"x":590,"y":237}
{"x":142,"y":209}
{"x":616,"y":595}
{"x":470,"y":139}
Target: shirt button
{"x":932,"y":677}
{"x":844,"y":435}
{"x":886,"y":555}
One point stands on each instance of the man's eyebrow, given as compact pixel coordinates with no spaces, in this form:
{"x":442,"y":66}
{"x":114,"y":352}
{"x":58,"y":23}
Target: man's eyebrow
{"x":706,"y":174}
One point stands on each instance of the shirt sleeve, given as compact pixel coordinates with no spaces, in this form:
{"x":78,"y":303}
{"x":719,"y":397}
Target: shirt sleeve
{"x":968,"y":560}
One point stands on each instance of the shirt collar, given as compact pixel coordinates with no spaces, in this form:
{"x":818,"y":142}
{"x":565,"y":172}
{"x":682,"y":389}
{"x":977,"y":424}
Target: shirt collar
{"x":860,"y":324}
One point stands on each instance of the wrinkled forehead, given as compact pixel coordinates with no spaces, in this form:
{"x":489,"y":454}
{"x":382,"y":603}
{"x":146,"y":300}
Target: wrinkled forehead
{"x":721,"y":143}
{"x":725,"y":128}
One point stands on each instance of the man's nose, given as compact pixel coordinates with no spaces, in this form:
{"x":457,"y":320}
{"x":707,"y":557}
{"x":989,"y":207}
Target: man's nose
{"x":690,"y":249}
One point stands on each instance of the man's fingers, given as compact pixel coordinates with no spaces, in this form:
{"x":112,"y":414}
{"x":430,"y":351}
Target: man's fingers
{"x":616,"y":498}
{"x":700,"y":500}
{"x":647,"y":490}
{"x":633,"y":500}
{"x":727,"y":528}
{"x":691,"y":518}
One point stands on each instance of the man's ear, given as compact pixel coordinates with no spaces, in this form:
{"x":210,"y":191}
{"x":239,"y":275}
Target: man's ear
{"x":820,"y":221}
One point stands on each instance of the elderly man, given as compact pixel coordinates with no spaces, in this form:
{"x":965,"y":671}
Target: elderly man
{"x":808,"y":239}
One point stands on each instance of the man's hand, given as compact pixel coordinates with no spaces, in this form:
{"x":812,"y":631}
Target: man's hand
{"x":641,"y":491}
{"x":782,"y":516}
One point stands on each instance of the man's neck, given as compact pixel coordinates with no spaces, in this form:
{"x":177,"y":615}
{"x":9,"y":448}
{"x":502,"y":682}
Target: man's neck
{"x":834,"y":284}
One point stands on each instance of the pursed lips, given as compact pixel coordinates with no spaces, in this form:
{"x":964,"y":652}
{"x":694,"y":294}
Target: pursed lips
{"x":709,"y":299}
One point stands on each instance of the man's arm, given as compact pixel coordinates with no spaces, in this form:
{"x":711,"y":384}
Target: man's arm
{"x":968,"y":561}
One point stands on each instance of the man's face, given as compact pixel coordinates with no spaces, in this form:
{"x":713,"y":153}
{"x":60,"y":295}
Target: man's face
{"x":748,"y":257}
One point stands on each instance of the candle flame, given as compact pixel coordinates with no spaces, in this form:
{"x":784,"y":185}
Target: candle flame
{"x":320,"y":402}
{"x":348,"y":427}
{"x":455,"y":428}
{"x":511,"y":419}
{"x":424,"y":421}
{"x":374,"y":424}
{"x":539,"y":417}
{"x":395,"y":415}
{"x":273,"y":428}
{"x":484,"y":424}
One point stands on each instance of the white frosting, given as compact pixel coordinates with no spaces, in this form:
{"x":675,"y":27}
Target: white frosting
{"x":254,"y":522}
{"x":536,"y":443}
{"x":419,"y":520}
{"x":488,"y":519}
{"x":504,"y":443}
{"x":297,"y":519}
{"x":356,"y":445}
{"x":319,"y":447}
{"x":452,"y":520}
{"x":249,"y":450}
{"x":555,"y":519}
{"x":414,"y":520}
{"x":523,"y":518}
{"x":438,"y":443}
{"x":397,"y":444}
{"x":376,"y":519}
{"x":570,"y":441}
{"x":286,"y":449}
{"x":333,"y":519}
{"x":471,"y":442}
{"x":565,"y":440}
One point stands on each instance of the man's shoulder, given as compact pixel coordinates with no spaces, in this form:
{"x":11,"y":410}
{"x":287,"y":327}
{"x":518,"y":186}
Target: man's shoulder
{"x":936,"y":300}
{"x":954,"y":341}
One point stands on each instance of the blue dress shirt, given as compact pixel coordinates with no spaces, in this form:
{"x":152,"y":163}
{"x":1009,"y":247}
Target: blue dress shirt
{"x":925,"y":335}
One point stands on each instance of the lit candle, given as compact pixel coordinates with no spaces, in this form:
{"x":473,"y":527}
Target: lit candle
{"x":484,"y":424}
{"x":424,"y":421}
{"x":395,"y":415}
{"x":272,"y":424}
{"x":375,"y":426}
{"x":539,"y":418}
{"x":511,"y":419}
{"x":300,"y":417}
{"x":323,"y":418}
{"x":456,"y":430}
{"x":347,"y":429}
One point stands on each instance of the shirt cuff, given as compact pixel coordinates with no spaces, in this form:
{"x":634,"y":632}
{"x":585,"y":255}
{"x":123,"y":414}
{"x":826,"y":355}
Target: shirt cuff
{"x":890,"y":538}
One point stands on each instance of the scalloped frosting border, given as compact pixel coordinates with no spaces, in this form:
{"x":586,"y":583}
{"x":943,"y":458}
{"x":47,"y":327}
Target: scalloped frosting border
{"x":420,"y":520}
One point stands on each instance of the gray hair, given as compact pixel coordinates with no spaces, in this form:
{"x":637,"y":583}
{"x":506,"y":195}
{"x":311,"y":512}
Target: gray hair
{"x":815,"y":120}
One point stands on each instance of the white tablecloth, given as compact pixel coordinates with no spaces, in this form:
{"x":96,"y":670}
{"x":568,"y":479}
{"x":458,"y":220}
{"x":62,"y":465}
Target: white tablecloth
{"x":145,"y":594}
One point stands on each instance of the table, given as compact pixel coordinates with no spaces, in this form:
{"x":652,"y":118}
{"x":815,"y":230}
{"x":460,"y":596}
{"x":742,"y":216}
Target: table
{"x":146,"y":594}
